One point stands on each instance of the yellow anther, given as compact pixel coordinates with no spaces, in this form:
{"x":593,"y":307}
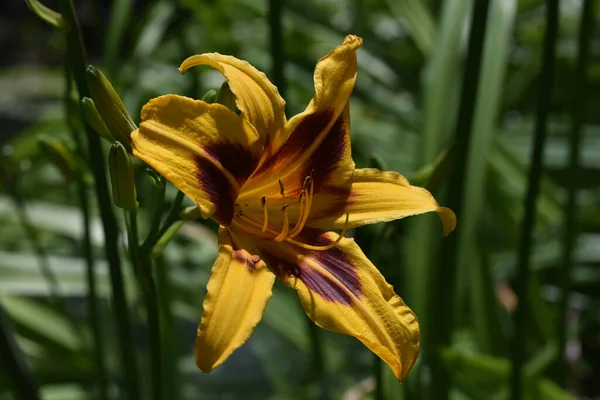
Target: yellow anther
{"x":326,"y":247}
{"x":286,"y":225}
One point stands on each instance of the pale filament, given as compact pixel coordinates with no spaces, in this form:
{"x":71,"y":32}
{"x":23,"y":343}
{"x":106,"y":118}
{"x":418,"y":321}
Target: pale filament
{"x":308,"y":184}
{"x":286,"y":226}
{"x":302,"y":202}
{"x":305,"y":201}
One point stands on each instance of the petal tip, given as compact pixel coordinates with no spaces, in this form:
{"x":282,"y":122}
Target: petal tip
{"x":448,"y":219}
{"x":353,"y":40}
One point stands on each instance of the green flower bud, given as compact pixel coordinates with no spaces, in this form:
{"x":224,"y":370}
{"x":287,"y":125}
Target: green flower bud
{"x":190,"y":213}
{"x":93,"y":118}
{"x":227,"y":98}
{"x":110,"y":107}
{"x":45,"y":13}
{"x":59,"y":154}
{"x":122,"y":177}
{"x":210,"y":96}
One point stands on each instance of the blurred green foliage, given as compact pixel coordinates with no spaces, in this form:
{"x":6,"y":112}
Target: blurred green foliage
{"x":404,"y":110}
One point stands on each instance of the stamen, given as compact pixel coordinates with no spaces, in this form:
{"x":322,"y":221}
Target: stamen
{"x":286,"y":226}
{"x":321,"y":248}
{"x":263,"y":201}
{"x":308,"y":185}
{"x":297,"y":228}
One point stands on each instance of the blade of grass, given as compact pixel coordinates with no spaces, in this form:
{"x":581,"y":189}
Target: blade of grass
{"x":276,"y":40}
{"x":416,"y":19}
{"x":169,"y":338}
{"x":119,"y":14}
{"x":496,"y":47}
{"x":441,"y":84}
{"x":570,"y":236}
{"x":440,"y":87}
{"x":528,"y":223}
{"x":77,"y":59}
{"x":39,"y":250}
{"x":442,"y":308}
{"x":14,"y":363}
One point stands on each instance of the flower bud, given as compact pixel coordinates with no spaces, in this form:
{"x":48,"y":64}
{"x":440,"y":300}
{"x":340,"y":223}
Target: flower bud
{"x":110,"y":107}
{"x":227,"y":98}
{"x":122,"y":177}
{"x":93,"y":118}
{"x":46,"y":14}
{"x":210,"y":96}
{"x":59,"y":154}
{"x":190,"y":213}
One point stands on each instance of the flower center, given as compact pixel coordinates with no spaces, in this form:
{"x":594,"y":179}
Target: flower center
{"x":263,"y":230}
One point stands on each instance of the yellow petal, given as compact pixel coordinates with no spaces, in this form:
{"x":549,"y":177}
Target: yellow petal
{"x":319,"y":138}
{"x":327,"y":160}
{"x":376,"y":196}
{"x":205,"y":150}
{"x":237,"y":293}
{"x":256,"y":96}
{"x":342,"y":291}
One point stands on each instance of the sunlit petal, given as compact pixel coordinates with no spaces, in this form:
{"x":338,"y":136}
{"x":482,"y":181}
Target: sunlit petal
{"x":205,"y":150}
{"x":237,"y":294}
{"x":319,"y":138}
{"x":341,"y":290}
{"x":376,"y":196}
{"x":256,"y":96}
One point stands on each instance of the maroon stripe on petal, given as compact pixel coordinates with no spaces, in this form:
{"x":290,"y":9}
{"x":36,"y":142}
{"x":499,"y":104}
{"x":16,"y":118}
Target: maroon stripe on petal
{"x":306,"y":132}
{"x":217,"y":188}
{"x":245,"y":258}
{"x":325,"y":287}
{"x":329,"y":153}
{"x":341,"y":287}
{"x":236,"y":159}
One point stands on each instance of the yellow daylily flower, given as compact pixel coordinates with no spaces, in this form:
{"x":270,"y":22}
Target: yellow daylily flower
{"x":277,"y":187}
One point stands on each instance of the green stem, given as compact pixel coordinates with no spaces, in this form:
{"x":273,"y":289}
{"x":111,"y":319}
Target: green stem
{"x":570,"y":237}
{"x":143,"y":272}
{"x":92,"y":296}
{"x":77,"y":59}
{"x":535,"y":171}
{"x":14,"y":363}
{"x":276,"y":38}
{"x":317,"y":348}
{"x":84,"y":204}
{"x":180,"y":22}
{"x":172,"y":216}
{"x":156,"y":216}
{"x":170,"y":341}
{"x":378,"y":373}
{"x":442,"y":305}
